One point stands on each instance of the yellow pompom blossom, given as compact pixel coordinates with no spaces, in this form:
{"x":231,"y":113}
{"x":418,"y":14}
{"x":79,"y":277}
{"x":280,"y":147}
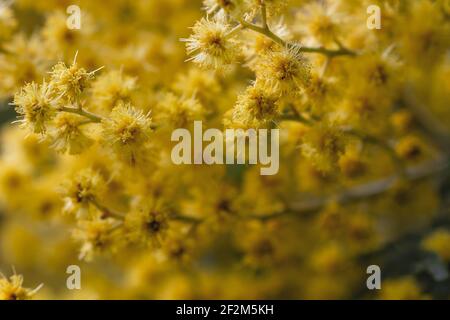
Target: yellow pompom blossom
{"x":241,"y":7}
{"x":111,"y":89}
{"x":13,"y":181}
{"x":177,"y":249}
{"x":329,"y":259}
{"x":202,"y":84}
{"x":284,"y":70}
{"x":128,"y":132}
{"x":273,"y":6}
{"x":96,"y":236}
{"x":67,"y":134}
{"x":257,"y":107}
{"x":323,"y":146}
{"x":86,"y":170}
{"x":223,"y":7}
{"x":70,"y":81}
{"x":439,"y":243}
{"x":21,"y":62}
{"x":35,"y":104}
{"x":401,"y":289}
{"x":212,"y":44}
{"x":147,"y":223}
{"x":12,"y":289}
{"x":402,"y":121}
{"x":178,"y":112}
{"x":80,"y":191}
{"x":319,"y":93}
{"x":410,"y":148}
{"x":351,"y":163}
{"x":319,"y":21}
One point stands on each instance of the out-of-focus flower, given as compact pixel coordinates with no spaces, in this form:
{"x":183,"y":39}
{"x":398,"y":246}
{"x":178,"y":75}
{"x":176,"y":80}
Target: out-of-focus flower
{"x":439,"y":243}
{"x":147,"y":223}
{"x":12,"y":289}
{"x":67,"y":134}
{"x":79,"y":191}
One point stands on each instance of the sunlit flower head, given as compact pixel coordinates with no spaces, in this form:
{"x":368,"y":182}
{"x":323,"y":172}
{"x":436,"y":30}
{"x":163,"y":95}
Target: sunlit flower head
{"x":257,"y":107}
{"x":211,"y":44}
{"x":284,"y":70}
{"x":70,"y":81}
{"x":127,"y":126}
{"x":36,"y":106}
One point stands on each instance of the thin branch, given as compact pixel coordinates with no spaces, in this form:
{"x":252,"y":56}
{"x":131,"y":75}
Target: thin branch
{"x":264,"y":31}
{"x":91,"y":116}
{"x":305,"y":208}
{"x":106,"y":211}
{"x":186,"y":219}
{"x":268,"y":33}
{"x":264,"y":14}
{"x":329,"y":52}
{"x":120,"y":216}
{"x":371,"y":189}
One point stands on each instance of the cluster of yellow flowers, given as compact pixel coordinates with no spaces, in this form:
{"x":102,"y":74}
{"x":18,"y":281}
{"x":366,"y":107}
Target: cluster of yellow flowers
{"x":12,"y":289}
{"x":86,"y":175}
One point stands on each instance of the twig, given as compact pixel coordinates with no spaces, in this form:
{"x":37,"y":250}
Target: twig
{"x":264,"y":14}
{"x":268,"y":33}
{"x":106,"y":211}
{"x":186,"y":219}
{"x":371,"y":189}
{"x":304,"y":208}
{"x":93,"y":117}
